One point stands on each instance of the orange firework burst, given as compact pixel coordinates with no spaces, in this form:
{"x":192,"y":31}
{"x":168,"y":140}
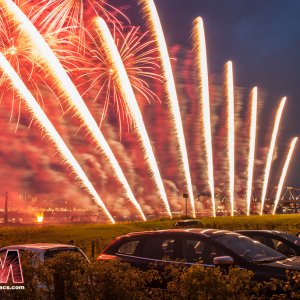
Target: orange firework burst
{"x":19,"y":52}
{"x":140,"y":61}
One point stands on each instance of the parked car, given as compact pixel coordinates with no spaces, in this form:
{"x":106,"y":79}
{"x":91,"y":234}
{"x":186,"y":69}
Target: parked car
{"x":283,"y":242}
{"x":44,"y":250}
{"x":41,"y":252}
{"x":188,"y":223}
{"x":209,"y":247}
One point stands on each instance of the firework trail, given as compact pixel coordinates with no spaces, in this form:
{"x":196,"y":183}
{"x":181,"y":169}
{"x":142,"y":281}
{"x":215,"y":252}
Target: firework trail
{"x":125,"y":87}
{"x":230,"y":129}
{"x":154,"y":21}
{"x":200,"y":47}
{"x":64,"y":83}
{"x":251,"y":147}
{"x":284,"y":171}
{"x":271,"y":151}
{"x":43,"y":121}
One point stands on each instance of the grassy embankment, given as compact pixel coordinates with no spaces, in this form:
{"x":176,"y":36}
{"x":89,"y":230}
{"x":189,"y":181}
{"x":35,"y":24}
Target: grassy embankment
{"x":84,"y":235}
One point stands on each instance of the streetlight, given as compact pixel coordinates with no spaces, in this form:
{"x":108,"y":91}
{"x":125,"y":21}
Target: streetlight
{"x":185,"y":196}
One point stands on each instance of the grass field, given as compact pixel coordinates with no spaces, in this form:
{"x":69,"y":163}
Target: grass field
{"x":96,"y":236}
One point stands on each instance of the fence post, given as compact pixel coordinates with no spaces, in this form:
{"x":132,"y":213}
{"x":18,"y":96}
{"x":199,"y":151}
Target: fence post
{"x":93,"y":249}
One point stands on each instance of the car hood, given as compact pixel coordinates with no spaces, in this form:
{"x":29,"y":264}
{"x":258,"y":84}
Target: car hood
{"x":291,"y":263}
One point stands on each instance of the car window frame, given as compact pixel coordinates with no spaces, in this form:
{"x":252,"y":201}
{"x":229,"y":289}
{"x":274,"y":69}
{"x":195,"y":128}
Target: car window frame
{"x":169,"y":236}
{"x":137,"y":251}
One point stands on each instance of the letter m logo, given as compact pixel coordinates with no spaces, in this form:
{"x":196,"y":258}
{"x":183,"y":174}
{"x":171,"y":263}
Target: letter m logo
{"x":11,"y":267}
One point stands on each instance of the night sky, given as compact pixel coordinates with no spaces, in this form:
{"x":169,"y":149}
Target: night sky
{"x":262,"y":38}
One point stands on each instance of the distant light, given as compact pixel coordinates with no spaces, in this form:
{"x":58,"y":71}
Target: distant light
{"x":40,"y":217}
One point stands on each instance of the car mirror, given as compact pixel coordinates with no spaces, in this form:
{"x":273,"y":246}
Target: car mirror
{"x":223,"y":260}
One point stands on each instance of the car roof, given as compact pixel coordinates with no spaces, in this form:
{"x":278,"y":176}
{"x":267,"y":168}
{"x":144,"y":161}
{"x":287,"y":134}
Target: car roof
{"x":39,"y":247}
{"x":187,"y":221}
{"x":260,"y":231}
{"x":200,"y":231}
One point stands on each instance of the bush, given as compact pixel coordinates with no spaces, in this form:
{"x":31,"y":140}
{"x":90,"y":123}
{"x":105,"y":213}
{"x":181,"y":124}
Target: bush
{"x":68,"y":276}
{"x":199,"y":282}
{"x":116,"y":280}
{"x":61,"y":275}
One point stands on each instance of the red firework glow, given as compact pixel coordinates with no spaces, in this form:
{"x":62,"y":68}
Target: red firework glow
{"x":76,"y":73}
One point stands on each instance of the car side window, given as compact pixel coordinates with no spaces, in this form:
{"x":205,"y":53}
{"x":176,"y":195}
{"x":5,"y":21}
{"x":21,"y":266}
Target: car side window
{"x":160,"y":248}
{"x":129,"y":247}
{"x":283,"y":248}
{"x":193,"y":250}
{"x":211,"y":252}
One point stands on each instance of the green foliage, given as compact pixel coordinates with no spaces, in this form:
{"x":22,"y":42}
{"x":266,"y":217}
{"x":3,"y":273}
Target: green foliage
{"x":68,"y":276}
{"x":62,"y":275}
{"x":199,"y":282}
{"x":116,"y":280}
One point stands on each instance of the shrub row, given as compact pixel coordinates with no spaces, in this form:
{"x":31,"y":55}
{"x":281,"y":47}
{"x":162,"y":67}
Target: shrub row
{"x":67,"y":276}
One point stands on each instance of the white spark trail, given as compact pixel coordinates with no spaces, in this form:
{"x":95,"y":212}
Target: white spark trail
{"x":251,"y":148}
{"x":271,"y":152}
{"x":283,"y":174}
{"x":170,"y":88}
{"x":125,"y":87}
{"x":200,"y":47}
{"x":230,"y":129}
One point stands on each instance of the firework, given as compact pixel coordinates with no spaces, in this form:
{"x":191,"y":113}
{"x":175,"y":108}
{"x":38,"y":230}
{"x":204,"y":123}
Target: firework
{"x":140,"y":62}
{"x":271,"y":151}
{"x":43,"y":121}
{"x":283,"y":173}
{"x":230,"y":129}
{"x":251,"y":148}
{"x":200,"y":46}
{"x":158,"y":35}
{"x":18,"y":51}
{"x":55,"y":49}
{"x":67,"y":88}
{"x":53,"y":15}
{"x":126,"y":89}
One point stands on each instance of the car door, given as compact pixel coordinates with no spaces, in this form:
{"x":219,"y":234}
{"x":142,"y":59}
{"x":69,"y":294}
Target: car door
{"x":200,"y":250}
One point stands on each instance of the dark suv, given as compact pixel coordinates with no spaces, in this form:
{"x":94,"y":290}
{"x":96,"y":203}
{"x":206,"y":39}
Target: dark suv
{"x":209,"y":247}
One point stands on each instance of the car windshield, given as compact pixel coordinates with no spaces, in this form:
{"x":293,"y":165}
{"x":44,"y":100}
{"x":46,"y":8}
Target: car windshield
{"x":249,"y":249}
{"x":292,"y":238}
